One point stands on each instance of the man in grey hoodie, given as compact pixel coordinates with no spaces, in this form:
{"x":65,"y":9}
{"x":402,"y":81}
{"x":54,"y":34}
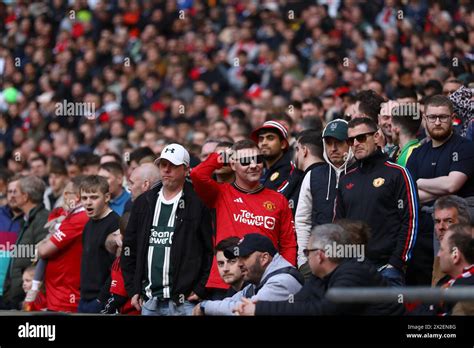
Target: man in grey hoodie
{"x":318,"y":189}
{"x":271,"y":277}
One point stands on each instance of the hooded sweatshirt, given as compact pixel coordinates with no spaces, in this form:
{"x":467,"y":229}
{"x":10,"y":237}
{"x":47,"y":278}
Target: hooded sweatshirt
{"x":316,"y":199}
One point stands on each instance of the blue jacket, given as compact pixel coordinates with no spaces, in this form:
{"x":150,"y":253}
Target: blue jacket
{"x":118,"y":204}
{"x":9,"y":229}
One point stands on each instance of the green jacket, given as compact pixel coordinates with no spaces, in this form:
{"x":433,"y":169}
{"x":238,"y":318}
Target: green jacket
{"x":31,"y":233}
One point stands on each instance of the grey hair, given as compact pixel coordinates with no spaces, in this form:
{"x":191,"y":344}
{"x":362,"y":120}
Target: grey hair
{"x":459,"y":203}
{"x":34,"y":187}
{"x":324,"y":236}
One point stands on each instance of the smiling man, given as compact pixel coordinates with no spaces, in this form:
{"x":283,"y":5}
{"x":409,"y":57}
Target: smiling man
{"x":384,"y":195}
{"x":245,"y":204}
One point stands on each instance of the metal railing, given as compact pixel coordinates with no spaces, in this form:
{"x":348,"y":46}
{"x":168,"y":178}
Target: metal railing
{"x":410,"y":294}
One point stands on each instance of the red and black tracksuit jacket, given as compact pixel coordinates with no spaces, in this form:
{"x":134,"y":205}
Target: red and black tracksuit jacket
{"x":384,"y":195}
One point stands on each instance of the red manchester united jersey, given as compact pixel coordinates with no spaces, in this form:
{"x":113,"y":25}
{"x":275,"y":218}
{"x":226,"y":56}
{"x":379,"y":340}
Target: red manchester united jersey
{"x":63,"y":270}
{"x":239,"y":212}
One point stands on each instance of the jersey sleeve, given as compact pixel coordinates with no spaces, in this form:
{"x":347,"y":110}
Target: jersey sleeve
{"x":204,"y":185}
{"x":68,"y":231}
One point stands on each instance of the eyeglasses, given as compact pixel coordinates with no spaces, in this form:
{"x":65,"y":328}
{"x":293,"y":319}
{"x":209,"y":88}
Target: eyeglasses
{"x":246,"y":161}
{"x":307,"y":251}
{"x":443,"y":118}
{"x":361,"y":138}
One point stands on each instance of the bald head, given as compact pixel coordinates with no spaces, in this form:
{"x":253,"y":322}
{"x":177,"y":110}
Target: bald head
{"x":143,"y":178}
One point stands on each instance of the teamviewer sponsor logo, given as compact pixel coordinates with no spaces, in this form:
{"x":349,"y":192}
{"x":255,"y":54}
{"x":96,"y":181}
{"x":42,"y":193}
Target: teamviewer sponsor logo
{"x":37,"y":331}
{"x":269,"y":222}
{"x":248,"y":218}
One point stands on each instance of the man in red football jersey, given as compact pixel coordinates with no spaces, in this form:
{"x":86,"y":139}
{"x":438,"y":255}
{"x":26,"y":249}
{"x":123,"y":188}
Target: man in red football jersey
{"x":244,"y":206}
{"x":63,"y":251}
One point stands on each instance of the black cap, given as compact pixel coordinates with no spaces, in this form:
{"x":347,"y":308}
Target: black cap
{"x":251,"y":243}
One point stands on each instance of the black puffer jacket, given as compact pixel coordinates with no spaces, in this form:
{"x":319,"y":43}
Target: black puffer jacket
{"x":350,"y":273}
{"x":191,"y":251}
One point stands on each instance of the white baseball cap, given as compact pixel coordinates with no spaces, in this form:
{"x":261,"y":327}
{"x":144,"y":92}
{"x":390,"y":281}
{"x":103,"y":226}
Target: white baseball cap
{"x":174,"y":153}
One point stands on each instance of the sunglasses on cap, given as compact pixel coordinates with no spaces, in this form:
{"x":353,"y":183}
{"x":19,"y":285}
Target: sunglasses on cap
{"x":246,"y":161}
{"x":361,"y":138}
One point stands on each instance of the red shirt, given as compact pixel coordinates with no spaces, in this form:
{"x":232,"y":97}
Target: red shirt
{"x":117,"y":286}
{"x":239,"y":212}
{"x":40,"y":303}
{"x":63,"y":270}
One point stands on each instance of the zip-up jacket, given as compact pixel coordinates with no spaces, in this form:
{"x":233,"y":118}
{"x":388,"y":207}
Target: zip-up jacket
{"x":277,"y":177}
{"x":311,"y":300}
{"x":31,"y":233}
{"x":316,"y":199}
{"x":384,"y":195}
{"x":279,"y":287}
{"x":191,"y":250}
{"x":9,"y":228}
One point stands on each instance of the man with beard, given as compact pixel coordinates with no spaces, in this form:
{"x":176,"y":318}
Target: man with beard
{"x":318,"y":188}
{"x":272,"y":140}
{"x":442,"y":166}
{"x":404,"y":130}
{"x":271,"y":277}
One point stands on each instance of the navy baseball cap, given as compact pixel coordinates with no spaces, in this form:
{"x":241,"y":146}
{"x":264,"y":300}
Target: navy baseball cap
{"x":251,"y":243}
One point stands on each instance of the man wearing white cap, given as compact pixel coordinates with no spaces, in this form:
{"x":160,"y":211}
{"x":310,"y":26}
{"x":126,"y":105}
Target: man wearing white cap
{"x":167,"y":248}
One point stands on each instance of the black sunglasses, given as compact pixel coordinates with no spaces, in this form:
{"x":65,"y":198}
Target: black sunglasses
{"x":246,"y":161}
{"x":307,"y":251}
{"x":361,"y":138}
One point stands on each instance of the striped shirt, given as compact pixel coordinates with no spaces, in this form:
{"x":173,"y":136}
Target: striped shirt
{"x":158,"y":270}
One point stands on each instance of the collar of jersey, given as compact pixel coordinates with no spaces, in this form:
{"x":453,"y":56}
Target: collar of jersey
{"x":258,"y":189}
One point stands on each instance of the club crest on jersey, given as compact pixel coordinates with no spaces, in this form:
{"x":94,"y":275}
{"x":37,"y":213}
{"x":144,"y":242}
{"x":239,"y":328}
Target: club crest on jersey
{"x":378,"y":182}
{"x":274,"y":176}
{"x":270,"y":206}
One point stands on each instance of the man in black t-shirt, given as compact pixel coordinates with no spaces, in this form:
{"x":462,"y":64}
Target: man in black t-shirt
{"x":99,"y":239}
{"x":442,"y":166}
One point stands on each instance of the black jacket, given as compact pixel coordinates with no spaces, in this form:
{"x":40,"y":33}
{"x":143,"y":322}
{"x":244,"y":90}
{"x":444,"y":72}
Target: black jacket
{"x":311,"y":299}
{"x":277,"y":177}
{"x":384,"y":195}
{"x":191,"y":250}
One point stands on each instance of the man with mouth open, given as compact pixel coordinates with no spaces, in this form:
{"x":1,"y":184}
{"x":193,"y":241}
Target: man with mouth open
{"x":96,"y":259}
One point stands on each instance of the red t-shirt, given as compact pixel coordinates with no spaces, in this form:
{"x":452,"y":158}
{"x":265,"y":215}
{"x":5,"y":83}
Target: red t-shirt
{"x":63,"y":270}
{"x":239,"y":213}
{"x":117,"y":286}
{"x":40,"y":303}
